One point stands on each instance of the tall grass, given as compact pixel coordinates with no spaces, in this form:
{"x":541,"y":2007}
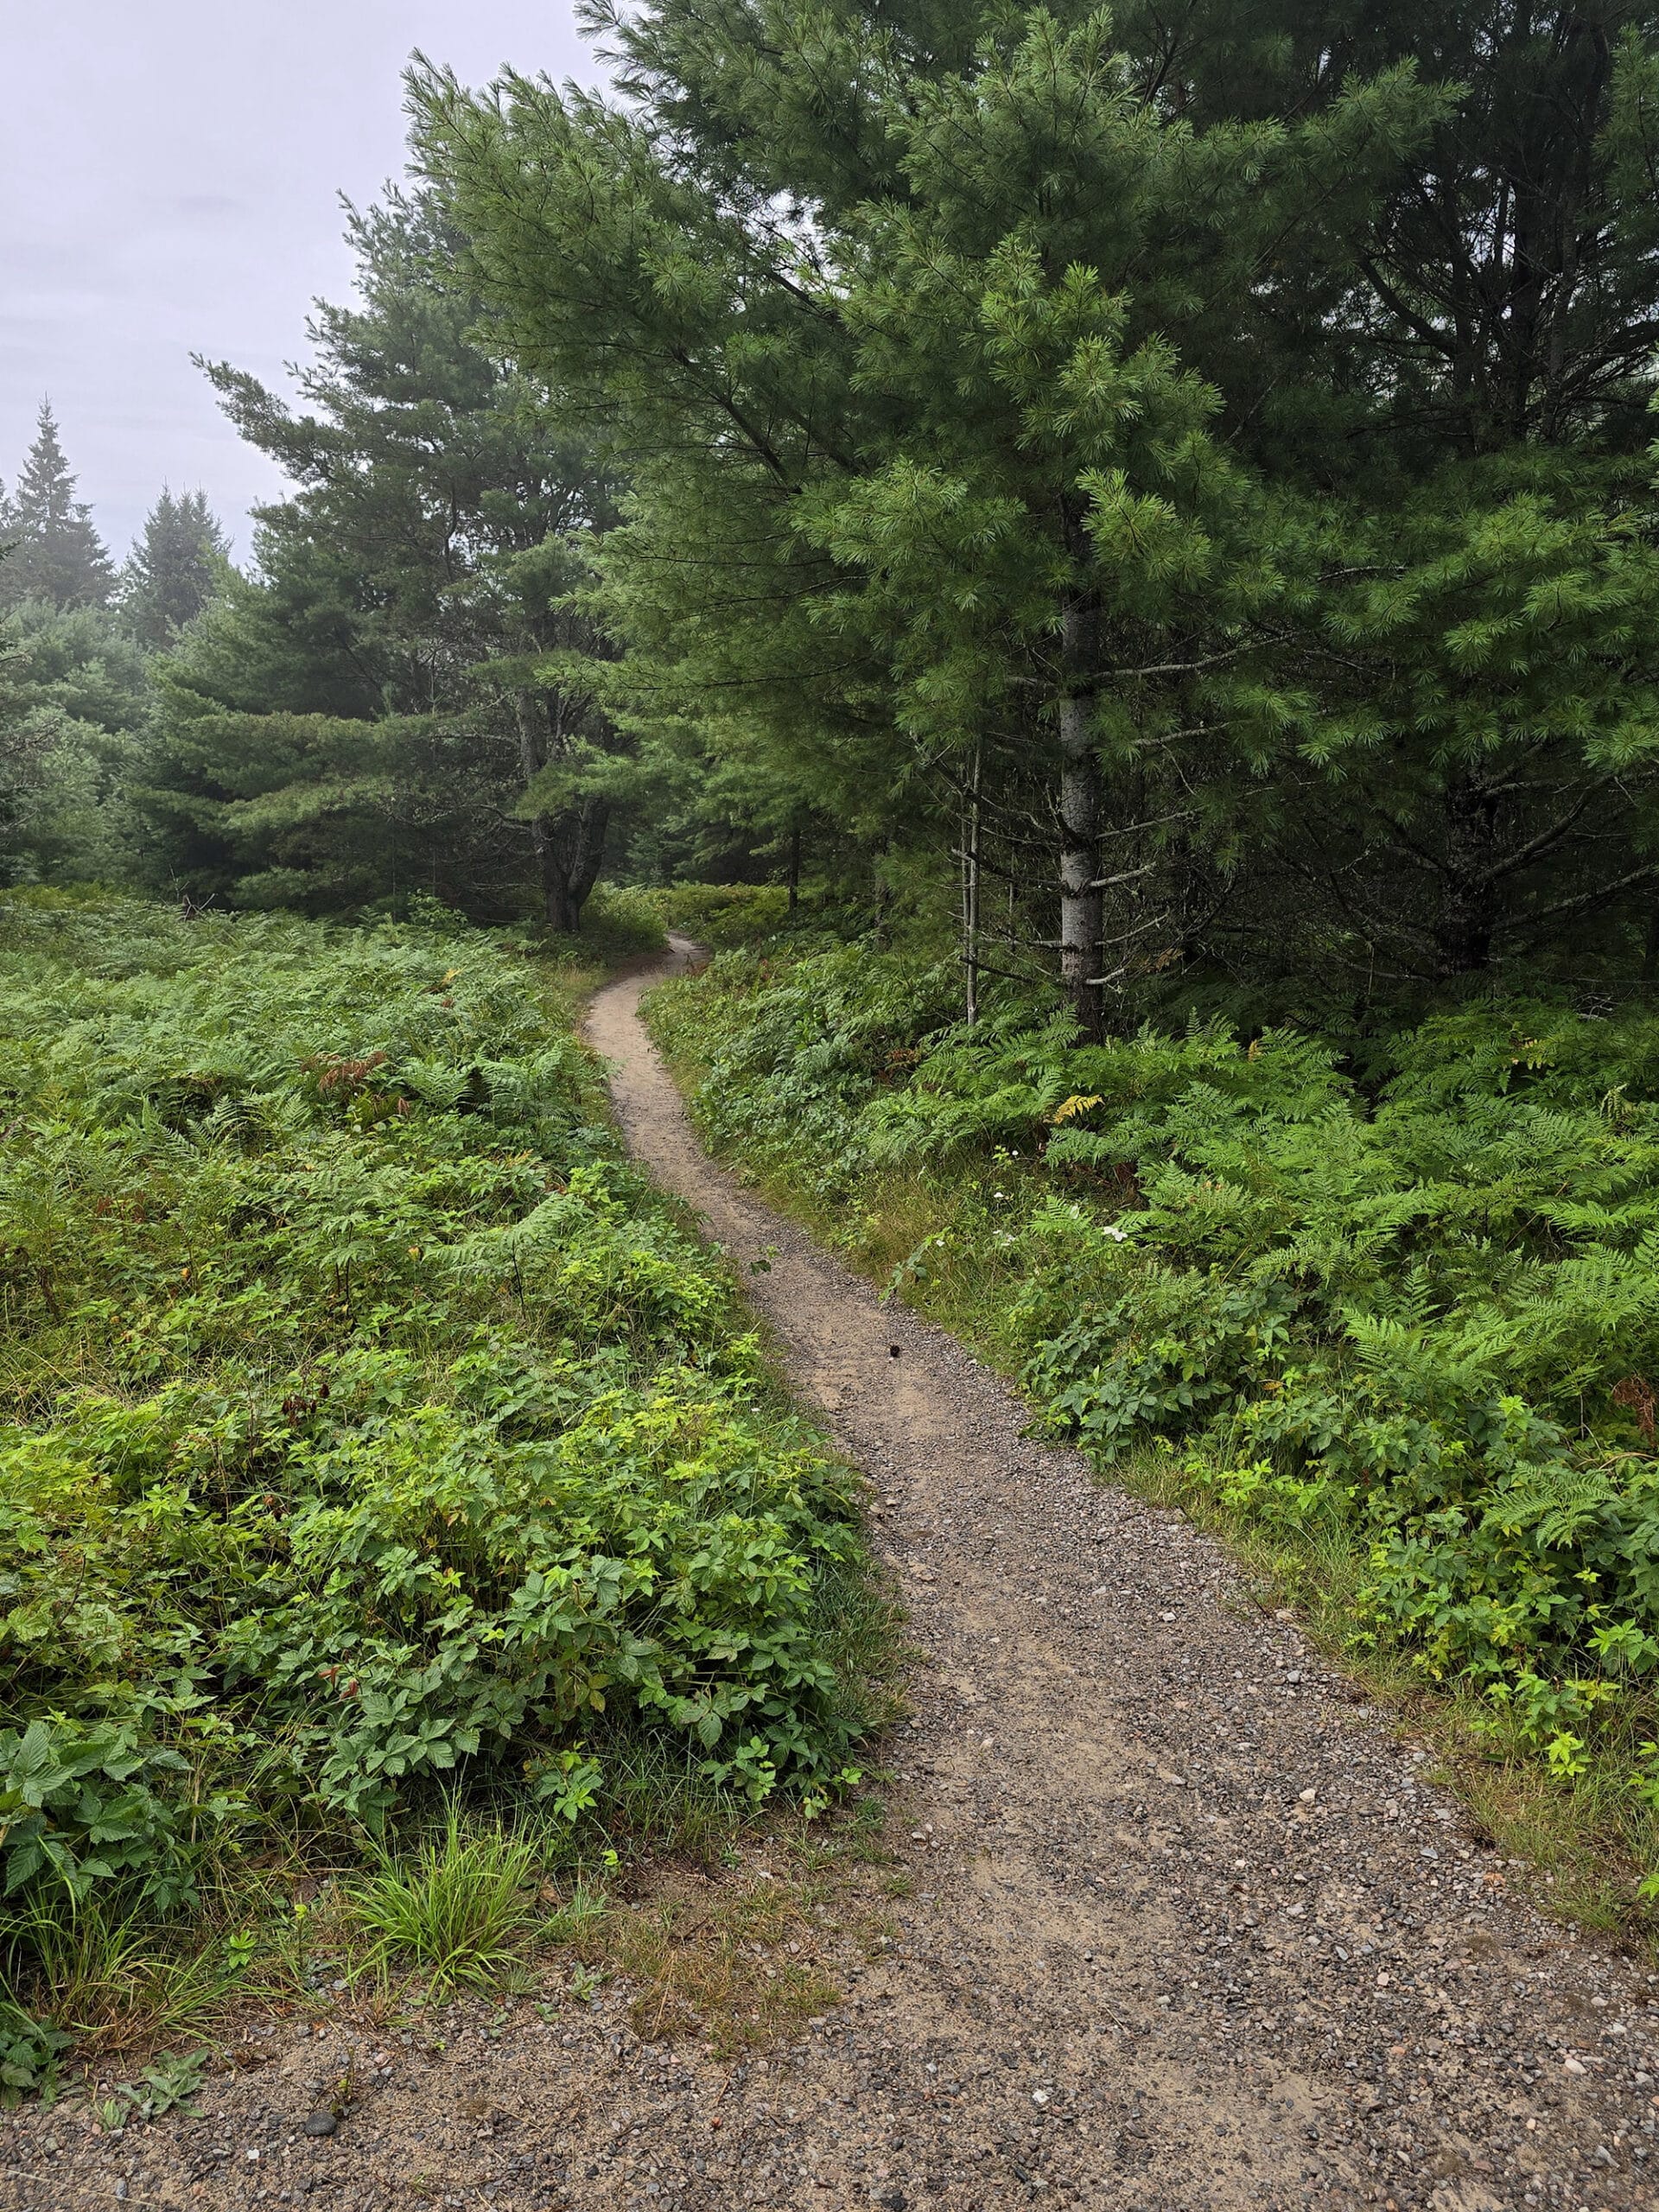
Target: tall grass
{"x":458,"y":1907}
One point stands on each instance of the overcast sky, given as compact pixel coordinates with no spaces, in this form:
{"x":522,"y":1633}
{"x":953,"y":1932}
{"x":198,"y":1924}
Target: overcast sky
{"x":169,"y":175}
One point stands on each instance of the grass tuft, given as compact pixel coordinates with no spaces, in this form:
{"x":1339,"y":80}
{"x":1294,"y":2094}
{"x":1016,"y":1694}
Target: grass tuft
{"x":460,"y":1908}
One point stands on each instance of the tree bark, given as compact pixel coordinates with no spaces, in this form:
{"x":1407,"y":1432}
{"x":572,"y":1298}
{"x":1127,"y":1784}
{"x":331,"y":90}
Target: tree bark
{"x":1468,"y":922}
{"x":1083,"y":911}
{"x":971,"y":831}
{"x":569,"y":848}
{"x":578,"y":848}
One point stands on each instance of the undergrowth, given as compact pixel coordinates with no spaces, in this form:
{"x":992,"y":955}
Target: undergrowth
{"x":1392,"y":1323}
{"x":371,"y":1431}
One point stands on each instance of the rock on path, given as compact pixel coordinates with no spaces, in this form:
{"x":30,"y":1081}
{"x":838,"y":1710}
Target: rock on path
{"x":1189,"y":1934}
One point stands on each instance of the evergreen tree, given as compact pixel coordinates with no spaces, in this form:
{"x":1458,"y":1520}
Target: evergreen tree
{"x":1329,"y":270}
{"x":73,"y":709}
{"x":1500,"y":288}
{"x":886,"y":331}
{"x":56,"y":555}
{"x":176,"y":566}
{"x":392,"y":703}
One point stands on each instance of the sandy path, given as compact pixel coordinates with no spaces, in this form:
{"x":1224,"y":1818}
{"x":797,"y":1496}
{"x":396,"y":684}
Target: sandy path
{"x":1186,"y":1930}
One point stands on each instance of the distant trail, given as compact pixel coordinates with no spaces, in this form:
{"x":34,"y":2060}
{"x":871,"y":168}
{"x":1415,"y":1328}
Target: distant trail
{"x":1186,"y":1934}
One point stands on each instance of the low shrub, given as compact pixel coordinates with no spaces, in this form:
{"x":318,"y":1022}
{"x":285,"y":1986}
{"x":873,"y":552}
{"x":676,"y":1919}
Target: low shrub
{"x":368,"y":1427}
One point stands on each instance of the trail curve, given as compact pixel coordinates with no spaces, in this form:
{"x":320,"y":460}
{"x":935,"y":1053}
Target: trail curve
{"x":1177,"y":1925}
{"x":1189,"y":1926}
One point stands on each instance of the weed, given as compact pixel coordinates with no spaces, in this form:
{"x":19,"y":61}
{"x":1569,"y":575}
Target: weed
{"x":166,"y":2086}
{"x":578,"y":1919}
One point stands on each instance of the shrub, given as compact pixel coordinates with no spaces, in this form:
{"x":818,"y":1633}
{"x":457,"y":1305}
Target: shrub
{"x":369,"y":1423}
{"x":1424,"y":1304}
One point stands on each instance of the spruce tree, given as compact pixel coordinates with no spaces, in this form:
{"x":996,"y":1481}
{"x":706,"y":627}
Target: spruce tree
{"x":56,"y":556}
{"x":174,"y":571}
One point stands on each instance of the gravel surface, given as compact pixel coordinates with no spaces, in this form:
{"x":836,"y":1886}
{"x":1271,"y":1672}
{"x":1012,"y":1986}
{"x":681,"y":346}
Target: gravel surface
{"x":1188,"y":1930}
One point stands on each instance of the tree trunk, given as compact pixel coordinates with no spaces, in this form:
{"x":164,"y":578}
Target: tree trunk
{"x":569,"y":848}
{"x":1083,"y":912}
{"x":970,"y":828}
{"x":794,"y":867}
{"x":579,"y":852}
{"x":1468,"y":917}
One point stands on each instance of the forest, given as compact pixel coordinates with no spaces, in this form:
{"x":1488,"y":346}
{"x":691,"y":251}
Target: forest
{"x":1106,"y":564}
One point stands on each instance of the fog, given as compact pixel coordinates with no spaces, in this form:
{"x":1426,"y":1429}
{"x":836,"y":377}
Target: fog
{"x":169,"y":176}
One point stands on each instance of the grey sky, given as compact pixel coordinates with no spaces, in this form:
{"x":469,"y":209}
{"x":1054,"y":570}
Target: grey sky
{"x":169,"y":173}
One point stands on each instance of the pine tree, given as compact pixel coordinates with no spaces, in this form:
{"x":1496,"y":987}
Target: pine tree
{"x":381,"y":707}
{"x":897,"y":340}
{"x":56,"y":554}
{"x":174,"y":569}
{"x":927,"y":328}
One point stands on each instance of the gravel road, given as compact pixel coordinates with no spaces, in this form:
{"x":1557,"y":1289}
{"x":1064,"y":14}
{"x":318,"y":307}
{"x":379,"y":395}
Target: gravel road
{"x":1187,"y":1930}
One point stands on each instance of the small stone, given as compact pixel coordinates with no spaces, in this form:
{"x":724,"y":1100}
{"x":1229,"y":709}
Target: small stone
{"x":1573,"y":2065}
{"x":1307,"y":1797}
{"x":320,"y":2123}
{"x":893,"y":2199}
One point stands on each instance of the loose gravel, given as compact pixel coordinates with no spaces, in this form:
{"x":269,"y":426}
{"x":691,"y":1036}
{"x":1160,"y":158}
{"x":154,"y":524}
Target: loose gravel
{"x":1188,"y":1929}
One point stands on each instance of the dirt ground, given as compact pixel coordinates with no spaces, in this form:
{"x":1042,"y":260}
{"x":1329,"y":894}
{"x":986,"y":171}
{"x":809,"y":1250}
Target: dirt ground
{"x":1184,"y":1927}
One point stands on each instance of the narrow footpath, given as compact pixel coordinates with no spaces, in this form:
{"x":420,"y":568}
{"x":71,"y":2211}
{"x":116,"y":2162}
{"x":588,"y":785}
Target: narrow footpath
{"x":1188,"y":1932}
{"x":1193,"y":1932}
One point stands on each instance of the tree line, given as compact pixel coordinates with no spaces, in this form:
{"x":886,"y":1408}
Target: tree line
{"x":1169,"y":495}
{"x":75,"y":635}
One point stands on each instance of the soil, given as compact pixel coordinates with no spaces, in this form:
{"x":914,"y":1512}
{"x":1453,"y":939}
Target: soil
{"x":1187,"y":1927}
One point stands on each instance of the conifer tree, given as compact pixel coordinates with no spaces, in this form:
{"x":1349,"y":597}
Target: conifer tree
{"x":388,"y":704}
{"x":174,"y":569}
{"x":1380,"y":279}
{"x":56,"y":555}
{"x":892,"y":332}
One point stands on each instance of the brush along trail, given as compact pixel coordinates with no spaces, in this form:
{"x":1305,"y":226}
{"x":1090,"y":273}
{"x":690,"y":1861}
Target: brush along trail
{"x":1184,"y":1930}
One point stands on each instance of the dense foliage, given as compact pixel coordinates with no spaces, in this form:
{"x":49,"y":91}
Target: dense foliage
{"x":369,"y":1423}
{"x":1418,"y":1298}
{"x":1184,"y":477}
{"x":1152,"y":517}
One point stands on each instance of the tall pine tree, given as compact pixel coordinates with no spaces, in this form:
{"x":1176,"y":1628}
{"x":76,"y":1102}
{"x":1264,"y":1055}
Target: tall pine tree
{"x":892,"y":324}
{"x":55,"y":555}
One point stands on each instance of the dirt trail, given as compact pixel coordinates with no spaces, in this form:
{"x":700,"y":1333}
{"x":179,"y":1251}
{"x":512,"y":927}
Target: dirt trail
{"x":1215,"y":1942}
{"x":1188,"y":1932}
